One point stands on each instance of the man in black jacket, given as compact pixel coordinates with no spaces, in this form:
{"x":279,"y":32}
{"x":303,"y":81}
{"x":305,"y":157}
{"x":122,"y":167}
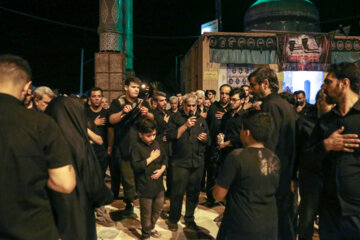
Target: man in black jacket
{"x":264,"y":84}
{"x":189,"y":133}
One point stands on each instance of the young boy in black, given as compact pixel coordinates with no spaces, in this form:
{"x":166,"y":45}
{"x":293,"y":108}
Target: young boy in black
{"x":249,"y":178}
{"x":149,"y":162}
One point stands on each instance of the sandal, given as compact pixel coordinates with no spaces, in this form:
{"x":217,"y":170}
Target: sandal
{"x":155,"y":234}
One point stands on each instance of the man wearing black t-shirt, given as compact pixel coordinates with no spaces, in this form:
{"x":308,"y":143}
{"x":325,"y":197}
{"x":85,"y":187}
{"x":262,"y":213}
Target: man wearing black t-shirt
{"x":333,"y":150}
{"x":264,"y":84}
{"x":33,"y":156}
{"x":248,"y":179}
{"x":124,"y":113}
{"x":98,"y":117}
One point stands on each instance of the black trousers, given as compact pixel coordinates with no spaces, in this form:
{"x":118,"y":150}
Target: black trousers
{"x":212,"y":169}
{"x":185,"y":180}
{"x":114,"y":165}
{"x":308,"y":209}
{"x":334,"y":226}
{"x":285,"y":217}
{"x":128,"y":180}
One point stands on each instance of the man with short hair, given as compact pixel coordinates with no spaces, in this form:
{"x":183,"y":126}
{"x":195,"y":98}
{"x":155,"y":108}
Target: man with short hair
{"x":264,"y":84}
{"x":161,"y":117}
{"x":200,"y":95}
{"x":98,"y":115}
{"x":33,"y":156}
{"x":231,"y":123}
{"x":211,"y":94}
{"x":214,"y":117}
{"x":42,"y":97}
{"x":180,"y":99}
{"x":333,"y":150}
{"x":207,"y":102}
{"x":310,"y":181}
{"x":174,"y":104}
{"x":189,"y":133}
{"x":304,"y":109}
{"x":124,"y":113}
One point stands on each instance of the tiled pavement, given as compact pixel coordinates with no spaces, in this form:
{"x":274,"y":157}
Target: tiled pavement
{"x":130,"y":228}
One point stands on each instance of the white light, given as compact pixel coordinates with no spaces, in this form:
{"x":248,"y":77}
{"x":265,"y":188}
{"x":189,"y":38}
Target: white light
{"x":295,"y":80}
{"x":207,"y":29}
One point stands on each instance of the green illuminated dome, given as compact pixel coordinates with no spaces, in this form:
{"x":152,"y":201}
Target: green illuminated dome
{"x":282,"y":15}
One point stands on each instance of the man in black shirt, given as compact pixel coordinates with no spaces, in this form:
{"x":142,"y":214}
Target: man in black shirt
{"x":33,"y":156}
{"x":124,"y":113}
{"x":310,"y":181}
{"x":249,"y":178}
{"x":334,"y":150}
{"x":189,"y":134}
{"x":264,"y":84}
{"x":161,"y":117}
{"x":303,"y":108}
{"x":98,"y":116}
{"x":231,"y":124}
{"x":214,"y":116}
{"x":200,"y":95}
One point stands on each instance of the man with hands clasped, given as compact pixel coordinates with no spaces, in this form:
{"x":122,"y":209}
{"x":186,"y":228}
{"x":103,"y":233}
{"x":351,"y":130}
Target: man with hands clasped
{"x":189,"y":133}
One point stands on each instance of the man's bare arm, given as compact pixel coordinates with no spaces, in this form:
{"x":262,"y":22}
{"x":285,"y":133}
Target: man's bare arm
{"x":110,"y":139}
{"x":94,"y":137}
{"x":116,"y":117}
{"x":62,"y":179}
{"x":219,"y":193}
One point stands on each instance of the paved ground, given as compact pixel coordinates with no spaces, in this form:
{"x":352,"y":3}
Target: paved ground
{"x":130,"y":228}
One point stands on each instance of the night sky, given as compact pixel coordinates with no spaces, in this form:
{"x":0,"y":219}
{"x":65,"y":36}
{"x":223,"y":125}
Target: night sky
{"x":54,"y":51}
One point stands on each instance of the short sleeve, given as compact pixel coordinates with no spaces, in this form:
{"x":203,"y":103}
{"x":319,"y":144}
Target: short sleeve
{"x":229,"y":170}
{"x":56,"y":150}
{"x":115,"y":107}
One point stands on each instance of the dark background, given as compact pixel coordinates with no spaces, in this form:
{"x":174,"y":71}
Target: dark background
{"x":54,"y":51}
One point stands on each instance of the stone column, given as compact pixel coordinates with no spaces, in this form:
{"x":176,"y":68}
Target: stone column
{"x":109,"y":62}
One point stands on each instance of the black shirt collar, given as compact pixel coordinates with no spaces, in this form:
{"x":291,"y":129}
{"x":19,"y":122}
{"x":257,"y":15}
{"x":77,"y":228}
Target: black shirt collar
{"x":356,"y":107}
{"x":9,"y":99}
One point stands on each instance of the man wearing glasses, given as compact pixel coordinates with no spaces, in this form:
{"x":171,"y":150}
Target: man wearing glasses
{"x":229,"y":137}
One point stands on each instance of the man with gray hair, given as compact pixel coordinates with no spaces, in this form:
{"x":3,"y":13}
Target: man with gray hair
{"x":189,"y":133}
{"x":42,"y":97}
{"x":200,"y":95}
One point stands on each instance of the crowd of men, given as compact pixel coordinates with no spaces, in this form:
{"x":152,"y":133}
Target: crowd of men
{"x":253,"y":150}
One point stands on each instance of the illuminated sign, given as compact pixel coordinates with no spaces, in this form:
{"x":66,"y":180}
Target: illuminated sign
{"x":212,"y":26}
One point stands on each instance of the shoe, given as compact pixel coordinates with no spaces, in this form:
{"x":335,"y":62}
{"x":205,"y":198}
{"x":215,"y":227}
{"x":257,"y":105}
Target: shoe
{"x":172,"y":226}
{"x":155,"y":234}
{"x":128,"y":211}
{"x":192,"y":225}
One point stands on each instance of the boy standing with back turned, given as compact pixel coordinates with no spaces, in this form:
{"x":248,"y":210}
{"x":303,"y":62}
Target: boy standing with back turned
{"x":248,"y":179}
